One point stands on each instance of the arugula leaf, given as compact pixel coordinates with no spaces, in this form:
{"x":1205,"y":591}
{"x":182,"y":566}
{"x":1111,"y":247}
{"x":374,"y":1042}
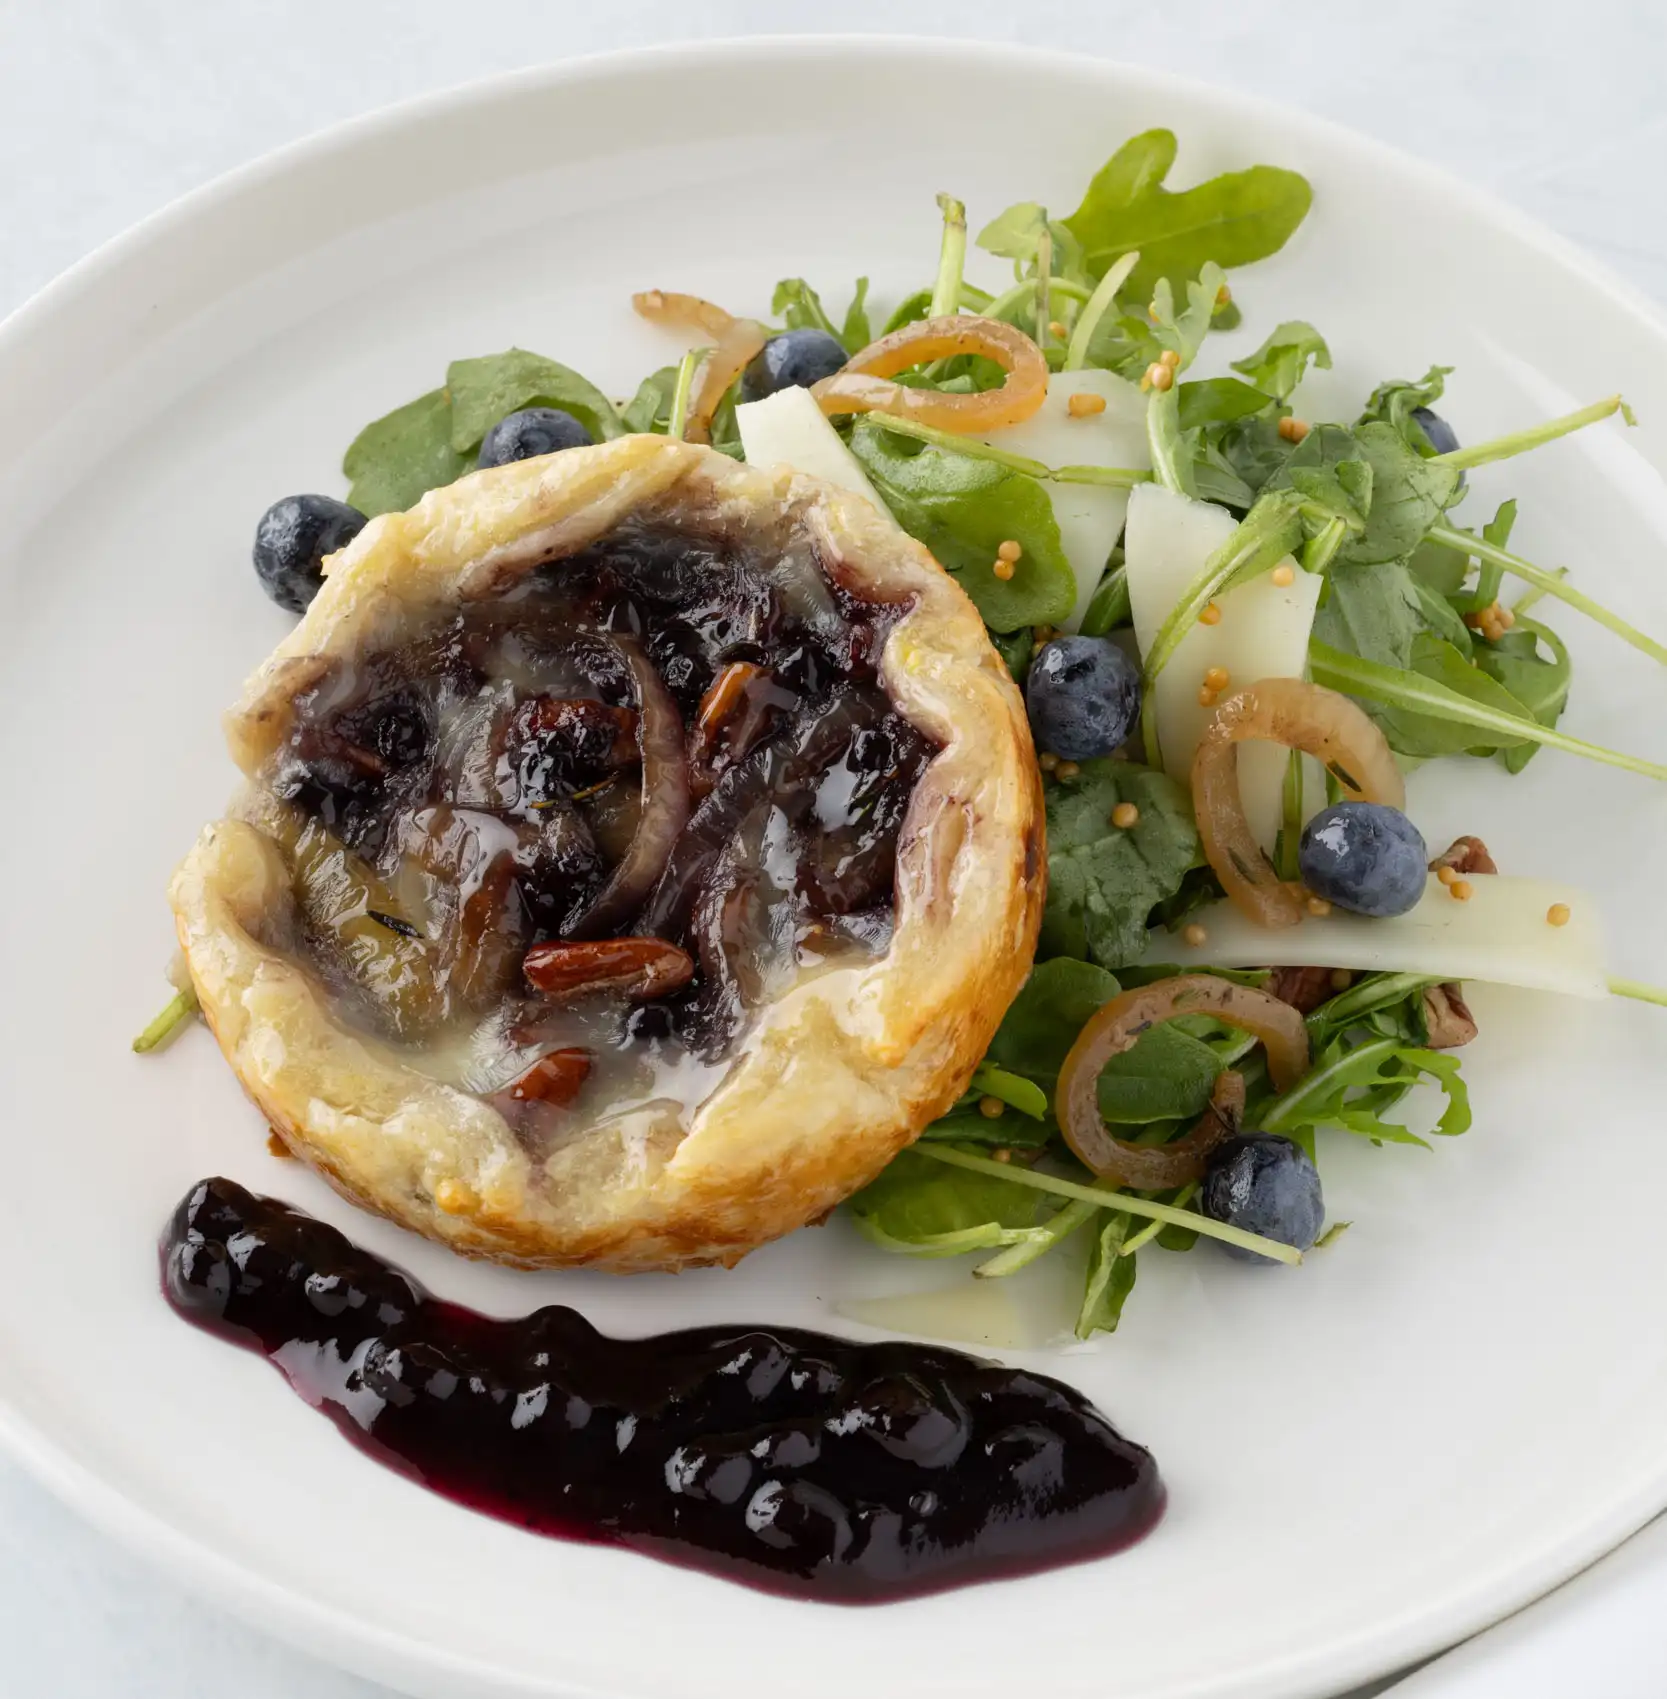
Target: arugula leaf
{"x":927,"y":1210}
{"x":1104,"y":880}
{"x":1541,"y":686}
{"x":1280,"y":364}
{"x":1372,"y":611}
{"x":1182,"y":330}
{"x":855,"y":332}
{"x":965,"y":1124}
{"x":1111,"y":1277}
{"x":1422,"y":736}
{"x":1408,"y":495}
{"x":397,"y":459}
{"x":649,"y":410}
{"x":800,"y":307}
{"x":1253,"y":450}
{"x":1165,"y":1076}
{"x":1016,"y":234}
{"x":963,"y":509}
{"x":1016,"y":648}
{"x":1394,"y":403}
{"x":1219,"y":401}
{"x":485,"y":390}
{"x":1350,"y":1088}
{"x":1394,"y":687}
{"x":1233,"y":219}
{"x":1109,"y":606}
{"x":1043,"y":1021}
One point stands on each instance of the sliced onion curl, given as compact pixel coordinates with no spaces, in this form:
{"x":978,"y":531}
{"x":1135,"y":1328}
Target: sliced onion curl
{"x":735,"y":343}
{"x":1299,"y":715}
{"x":665,"y":797}
{"x":1117,"y":1027}
{"x":864,"y":384}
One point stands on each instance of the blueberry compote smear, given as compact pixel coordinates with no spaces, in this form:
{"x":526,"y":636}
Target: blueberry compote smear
{"x":796,"y":1461}
{"x":676,"y":735}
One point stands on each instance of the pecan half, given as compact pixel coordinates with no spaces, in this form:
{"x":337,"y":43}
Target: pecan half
{"x":638,"y":968}
{"x":1465,"y":855}
{"x":1447,"y":1019}
{"x":1304,"y":988}
{"x":554,"y":1079}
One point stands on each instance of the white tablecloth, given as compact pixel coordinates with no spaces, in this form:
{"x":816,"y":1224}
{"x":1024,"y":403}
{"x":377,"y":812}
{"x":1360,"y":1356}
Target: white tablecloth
{"x":109,"y":108}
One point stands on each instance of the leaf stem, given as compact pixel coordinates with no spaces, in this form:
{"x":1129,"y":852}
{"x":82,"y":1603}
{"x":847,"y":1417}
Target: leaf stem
{"x":1124,"y":1201}
{"x":1052,"y":1232}
{"x":952,"y":259}
{"x":1283,"y":1110}
{"x":1549,"y":584}
{"x":1171,"y":464}
{"x":1638,"y":991}
{"x":1099,"y":303}
{"x":1111,"y":477}
{"x":999,"y":306}
{"x":1396,"y":688}
{"x":1319,"y":552}
{"x":1534,"y":593}
{"x":681,"y":394}
{"x":166,"y":1027}
{"x":1153,"y":1228}
{"x":1519,"y":442}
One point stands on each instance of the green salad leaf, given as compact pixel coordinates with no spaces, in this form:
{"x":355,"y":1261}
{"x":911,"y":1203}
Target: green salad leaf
{"x":487,"y":389}
{"x":397,"y":459}
{"x":1050,"y":1010}
{"x":649,"y":410}
{"x":927,"y":1210}
{"x":1231,"y":220}
{"x":1105,"y":880}
{"x":1540,"y":682}
{"x":1280,"y":364}
{"x":963,"y":509}
{"x":1111,"y":1277}
{"x":1351,"y":1087}
{"x":1394,"y":403}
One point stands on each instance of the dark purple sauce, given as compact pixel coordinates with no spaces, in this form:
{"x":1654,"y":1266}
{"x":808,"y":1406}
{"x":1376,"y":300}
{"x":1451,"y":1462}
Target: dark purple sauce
{"x":788,"y":1459}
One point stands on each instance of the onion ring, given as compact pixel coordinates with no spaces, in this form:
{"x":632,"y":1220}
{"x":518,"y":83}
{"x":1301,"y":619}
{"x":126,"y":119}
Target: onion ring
{"x":727,"y":360}
{"x":665,"y":797}
{"x":1299,"y":715}
{"x":663,"y":306}
{"x":1117,"y":1027}
{"x":863,"y":386}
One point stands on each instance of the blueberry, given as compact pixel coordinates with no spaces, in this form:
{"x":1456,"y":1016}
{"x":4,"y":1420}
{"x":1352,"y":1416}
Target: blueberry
{"x":292,"y":539}
{"x":532,"y":431}
{"x":1437,"y":432}
{"x":1266,"y":1185}
{"x":1083,"y":694}
{"x":795,"y":359}
{"x":1364,"y":856}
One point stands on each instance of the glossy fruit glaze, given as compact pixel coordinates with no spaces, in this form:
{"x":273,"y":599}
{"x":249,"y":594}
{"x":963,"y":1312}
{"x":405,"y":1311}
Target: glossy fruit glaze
{"x":792,"y":1460}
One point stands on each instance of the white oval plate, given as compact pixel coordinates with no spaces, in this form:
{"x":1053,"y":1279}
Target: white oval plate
{"x":1422,"y":1429}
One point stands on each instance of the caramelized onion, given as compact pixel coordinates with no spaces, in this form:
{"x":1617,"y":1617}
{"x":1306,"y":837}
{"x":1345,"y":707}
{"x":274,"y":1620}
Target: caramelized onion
{"x":864,"y":386}
{"x":668,"y":307}
{"x":665,"y":797}
{"x":1299,"y":715}
{"x":1117,"y":1027}
{"x":739,"y":706}
{"x":718,"y":371}
{"x":735,"y":343}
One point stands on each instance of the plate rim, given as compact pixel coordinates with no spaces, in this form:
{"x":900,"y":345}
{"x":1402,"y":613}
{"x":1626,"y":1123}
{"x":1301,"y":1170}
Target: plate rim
{"x":333,"y":1633}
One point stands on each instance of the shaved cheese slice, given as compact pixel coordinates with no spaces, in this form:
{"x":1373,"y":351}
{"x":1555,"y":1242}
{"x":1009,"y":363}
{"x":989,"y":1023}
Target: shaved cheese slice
{"x":789,"y":429}
{"x":1263,"y":633}
{"x":975,"y":1312}
{"x":1500,"y":935}
{"x":1089,"y":516}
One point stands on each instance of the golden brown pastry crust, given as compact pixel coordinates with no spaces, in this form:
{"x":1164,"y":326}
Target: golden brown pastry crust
{"x":832,"y":1079}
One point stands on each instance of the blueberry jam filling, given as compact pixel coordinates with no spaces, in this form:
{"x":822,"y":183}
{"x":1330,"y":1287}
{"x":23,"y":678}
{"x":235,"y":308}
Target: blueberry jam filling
{"x":789,"y":1459}
{"x":670,"y":742}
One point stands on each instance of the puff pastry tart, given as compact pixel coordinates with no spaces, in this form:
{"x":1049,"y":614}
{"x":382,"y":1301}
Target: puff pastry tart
{"x":638,"y":849}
